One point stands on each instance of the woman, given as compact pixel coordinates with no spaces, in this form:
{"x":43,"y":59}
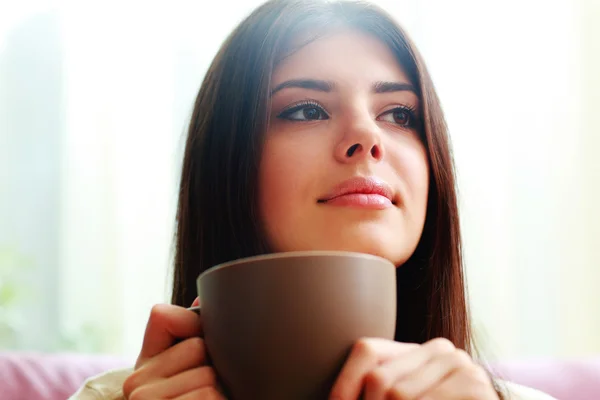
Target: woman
{"x":303,"y":96}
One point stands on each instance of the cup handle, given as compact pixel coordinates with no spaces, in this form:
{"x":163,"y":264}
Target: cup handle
{"x":195,"y":309}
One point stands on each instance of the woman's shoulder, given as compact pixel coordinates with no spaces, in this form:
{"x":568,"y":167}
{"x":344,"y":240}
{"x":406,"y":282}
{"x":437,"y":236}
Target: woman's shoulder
{"x":515,"y":391}
{"x":105,"y":386}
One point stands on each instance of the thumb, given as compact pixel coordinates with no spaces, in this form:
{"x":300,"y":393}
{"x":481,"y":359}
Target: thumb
{"x":166,"y":324}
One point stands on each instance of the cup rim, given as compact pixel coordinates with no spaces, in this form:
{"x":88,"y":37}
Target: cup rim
{"x":293,"y":254}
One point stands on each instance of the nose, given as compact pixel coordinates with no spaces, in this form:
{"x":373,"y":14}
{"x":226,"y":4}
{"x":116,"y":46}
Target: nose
{"x":361,"y":142}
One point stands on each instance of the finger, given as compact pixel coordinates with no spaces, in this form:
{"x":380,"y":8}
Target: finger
{"x":430,"y":375}
{"x":206,"y":393}
{"x":463,"y":384}
{"x":382,"y":379}
{"x":186,"y":355}
{"x":167,"y":323}
{"x":365,"y":355}
{"x":196,"y":302}
{"x":178,"y":385}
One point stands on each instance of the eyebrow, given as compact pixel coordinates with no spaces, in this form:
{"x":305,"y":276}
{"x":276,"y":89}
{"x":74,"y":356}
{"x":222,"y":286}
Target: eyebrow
{"x":387,"y":87}
{"x":311,"y":84}
{"x":329,"y":86}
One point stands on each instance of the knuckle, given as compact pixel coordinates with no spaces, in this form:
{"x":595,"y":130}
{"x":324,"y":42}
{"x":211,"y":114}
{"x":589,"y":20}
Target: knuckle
{"x":462,"y":358}
{"x":377,"y":379}
{"x":207,"y":376}
{"x":195,"y":344}
{"x":364,"y":348}
{"x":131,"y":383}
{"x":194,"y":349}
{"x":156,"y":311}
{"x":159,"y":314}
{"x":441,"y":345}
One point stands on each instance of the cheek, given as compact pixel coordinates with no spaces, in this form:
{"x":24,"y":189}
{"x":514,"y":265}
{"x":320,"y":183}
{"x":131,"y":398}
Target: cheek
{"x":412,"y":165}
{"x":418,"y":176}
{"x":281,"y":165}
{"x":286,"y":172}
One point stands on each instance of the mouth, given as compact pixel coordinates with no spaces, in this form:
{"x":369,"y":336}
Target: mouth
{"x":361,"y":192}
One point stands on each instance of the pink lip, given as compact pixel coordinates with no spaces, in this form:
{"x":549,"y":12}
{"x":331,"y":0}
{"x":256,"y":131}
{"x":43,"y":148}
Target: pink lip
{"x":363,"y":192}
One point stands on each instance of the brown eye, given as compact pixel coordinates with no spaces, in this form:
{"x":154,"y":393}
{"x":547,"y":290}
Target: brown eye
{"x":311,"y":113}
{"x":400,"y":116}
{"x":304,"y":112}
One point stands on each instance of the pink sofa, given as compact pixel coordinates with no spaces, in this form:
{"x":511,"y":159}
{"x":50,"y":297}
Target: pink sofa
{"x":26,"y":376}
{"x":30,"y":376}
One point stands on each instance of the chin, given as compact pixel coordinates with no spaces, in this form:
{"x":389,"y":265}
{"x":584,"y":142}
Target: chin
{"x":380,"y":250}
{"x":389,"y":247}
{"x":389,"y":242}
{"x":382,"y":240}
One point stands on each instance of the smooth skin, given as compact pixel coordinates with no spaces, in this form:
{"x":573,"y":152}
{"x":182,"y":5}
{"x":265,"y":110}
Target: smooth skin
{"x":306,"y":152}
{"x":319,"y":136}
{"x":167,"y":371}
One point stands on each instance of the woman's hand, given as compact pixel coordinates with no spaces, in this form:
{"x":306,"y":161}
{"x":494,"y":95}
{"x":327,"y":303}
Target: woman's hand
{"x":381,"y":369}
{"x":167,"y":371}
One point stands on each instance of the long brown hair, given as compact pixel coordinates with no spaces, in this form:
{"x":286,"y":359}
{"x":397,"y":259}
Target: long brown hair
{"x":217,"y":218}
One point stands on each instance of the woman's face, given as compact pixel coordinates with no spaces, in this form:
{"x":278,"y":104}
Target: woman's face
{"x":343,"y":167}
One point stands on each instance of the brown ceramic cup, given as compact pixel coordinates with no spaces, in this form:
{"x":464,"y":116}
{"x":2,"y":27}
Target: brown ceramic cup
{"x":280,"y":326}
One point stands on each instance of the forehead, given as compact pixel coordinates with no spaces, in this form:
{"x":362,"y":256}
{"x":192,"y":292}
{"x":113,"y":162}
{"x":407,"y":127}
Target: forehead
{"x":344,"y":56}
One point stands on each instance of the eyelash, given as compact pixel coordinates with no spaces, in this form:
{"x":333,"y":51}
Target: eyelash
{"x":412,"y":115}
{"x":299,"y":106}
{"x":413,"y":118}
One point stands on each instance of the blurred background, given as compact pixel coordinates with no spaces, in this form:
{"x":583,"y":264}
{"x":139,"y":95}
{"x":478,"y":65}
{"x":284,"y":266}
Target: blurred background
{"x":94,"y":102}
